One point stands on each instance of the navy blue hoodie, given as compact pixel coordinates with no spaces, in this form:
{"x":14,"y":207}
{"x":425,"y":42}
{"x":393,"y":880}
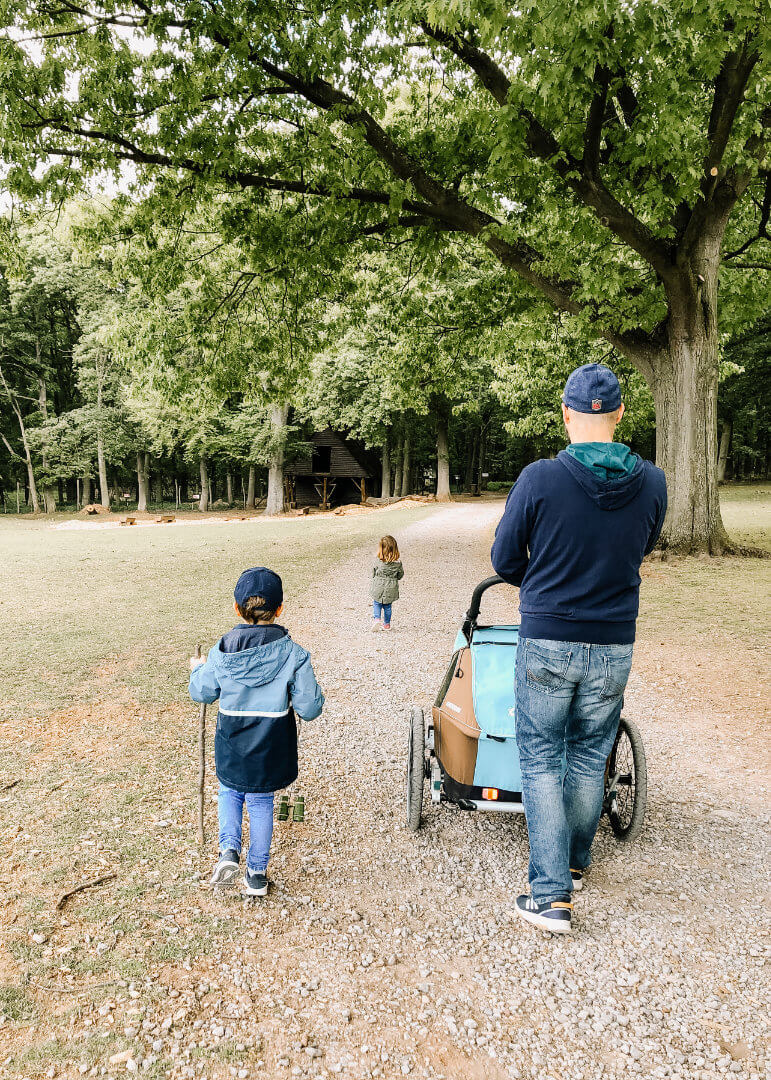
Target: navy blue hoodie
{"x":574,"y":543}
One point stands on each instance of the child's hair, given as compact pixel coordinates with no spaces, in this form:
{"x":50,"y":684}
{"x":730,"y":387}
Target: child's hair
{"x":388,"y":549}
{"x":254,"y":610}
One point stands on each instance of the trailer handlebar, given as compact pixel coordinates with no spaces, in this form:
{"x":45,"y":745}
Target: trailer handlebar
{"x":472,"y":614}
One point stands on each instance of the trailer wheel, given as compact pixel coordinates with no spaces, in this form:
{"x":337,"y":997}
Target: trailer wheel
{"x":416,"y":767}
{"x":626,"y":782}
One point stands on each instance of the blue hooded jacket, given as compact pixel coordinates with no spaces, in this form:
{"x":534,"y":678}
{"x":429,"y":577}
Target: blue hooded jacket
{"x":573,"y":538}
{"x":261,"y":679}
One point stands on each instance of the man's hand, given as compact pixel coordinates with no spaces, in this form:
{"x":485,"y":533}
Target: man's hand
{"x":196,"y":661}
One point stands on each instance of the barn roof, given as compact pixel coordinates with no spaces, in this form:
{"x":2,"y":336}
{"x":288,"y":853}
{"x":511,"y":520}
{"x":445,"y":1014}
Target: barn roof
{"x":344,"y":457}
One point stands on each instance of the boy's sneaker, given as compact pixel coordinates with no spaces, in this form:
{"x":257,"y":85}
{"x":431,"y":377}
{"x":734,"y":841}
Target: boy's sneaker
{"x":386,"y":626}
{"x":226,"y":870}
{"x":578,"y":880}
{"x":255,"y":883}
{"x":376,"y":624}
{"x":554,"y":915}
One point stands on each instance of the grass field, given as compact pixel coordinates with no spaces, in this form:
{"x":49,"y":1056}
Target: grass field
{"x":97,"y":627}
{"x":129,"y":604}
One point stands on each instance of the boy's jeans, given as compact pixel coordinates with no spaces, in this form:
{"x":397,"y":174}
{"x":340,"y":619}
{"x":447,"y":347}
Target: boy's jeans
{"x":377,"y":607}
{"x":569,"y":698}
{"x":230,"y":805}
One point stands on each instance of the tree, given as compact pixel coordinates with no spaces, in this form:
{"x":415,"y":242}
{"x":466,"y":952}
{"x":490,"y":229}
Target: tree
{"x":744,"y":403}
{"x":600,"y":157}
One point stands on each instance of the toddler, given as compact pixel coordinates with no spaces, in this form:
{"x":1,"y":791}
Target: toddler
{"x":386,"y":575}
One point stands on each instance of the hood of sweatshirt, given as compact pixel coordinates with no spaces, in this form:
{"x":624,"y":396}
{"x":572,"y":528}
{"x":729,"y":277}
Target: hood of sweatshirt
{"x":609,"y":473}
{"x":254,"y":666}
{"x":388,"y":569}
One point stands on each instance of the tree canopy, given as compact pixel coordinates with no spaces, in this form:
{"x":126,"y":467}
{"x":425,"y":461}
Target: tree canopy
{"x":610,"y":158}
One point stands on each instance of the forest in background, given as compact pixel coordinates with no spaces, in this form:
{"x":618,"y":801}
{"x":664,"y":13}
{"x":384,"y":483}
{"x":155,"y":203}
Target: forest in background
{"x":406,"y":220}
{"x":156,"y":366}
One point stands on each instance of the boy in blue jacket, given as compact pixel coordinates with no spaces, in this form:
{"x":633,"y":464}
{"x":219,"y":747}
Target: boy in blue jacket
{"x":262,"y":678}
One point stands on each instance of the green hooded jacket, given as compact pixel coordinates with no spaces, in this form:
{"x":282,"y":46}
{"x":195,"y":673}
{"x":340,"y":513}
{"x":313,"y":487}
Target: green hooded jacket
{"x":385,"y":581}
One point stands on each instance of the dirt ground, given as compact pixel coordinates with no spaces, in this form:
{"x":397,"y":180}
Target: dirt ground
{"x":380,"y":953}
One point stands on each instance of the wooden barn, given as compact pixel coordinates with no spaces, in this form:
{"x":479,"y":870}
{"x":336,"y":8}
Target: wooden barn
{"x":334,"y":473}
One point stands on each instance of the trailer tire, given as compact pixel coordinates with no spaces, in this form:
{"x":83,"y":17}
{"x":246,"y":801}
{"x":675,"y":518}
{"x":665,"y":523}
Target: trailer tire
{"x":416,"y":768}
{"x":626,"y":798}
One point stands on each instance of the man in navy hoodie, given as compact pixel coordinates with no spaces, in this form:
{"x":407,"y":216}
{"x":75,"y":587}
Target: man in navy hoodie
{"x":572,"y":537}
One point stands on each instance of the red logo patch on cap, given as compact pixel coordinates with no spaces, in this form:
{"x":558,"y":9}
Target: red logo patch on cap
{"x":596,"y":404}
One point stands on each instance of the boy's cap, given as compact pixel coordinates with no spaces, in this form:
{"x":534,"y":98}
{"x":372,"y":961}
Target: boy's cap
{"x":259,"y":581}
{"x":592,"y":388}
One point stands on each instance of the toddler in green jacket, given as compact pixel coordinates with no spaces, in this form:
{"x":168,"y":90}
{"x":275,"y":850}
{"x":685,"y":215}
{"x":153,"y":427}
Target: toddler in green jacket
{"x":386,"y":575}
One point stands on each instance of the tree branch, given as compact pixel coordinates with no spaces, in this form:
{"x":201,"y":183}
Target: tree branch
{"x":590,"y":191}
{"x":730,"y":87}
{"x":762,"y":233}
{"x":594,"y":122}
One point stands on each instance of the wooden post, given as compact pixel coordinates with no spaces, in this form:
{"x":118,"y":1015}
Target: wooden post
{"x":18,"y":510}
{"x":324,"y":495}
{"x":201,"y":764}
{"x":363,"y":491}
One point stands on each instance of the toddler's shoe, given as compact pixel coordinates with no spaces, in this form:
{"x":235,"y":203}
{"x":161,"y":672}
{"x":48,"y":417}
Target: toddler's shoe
{"x":255,"y":883}
{"x":376,"y":624}
{"x":553,"y":915}
{"x":226,"y":870}
{"x":386,"y":626}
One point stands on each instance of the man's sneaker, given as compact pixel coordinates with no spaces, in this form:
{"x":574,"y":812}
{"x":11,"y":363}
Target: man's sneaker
{"x":578,"y":880}
{"x":376,"y":624}
{"x":226,"y":870}
{"x":255,"y":883}
{"x":554,"y":915}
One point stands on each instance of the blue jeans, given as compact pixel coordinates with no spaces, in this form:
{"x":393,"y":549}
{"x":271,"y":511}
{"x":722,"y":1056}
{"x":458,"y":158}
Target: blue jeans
{"x":569,"y":698}
{"x":377,"y":607}
{"x":230,"y":806}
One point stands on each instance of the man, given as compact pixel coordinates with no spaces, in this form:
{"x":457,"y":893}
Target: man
{"x":573,"y":535}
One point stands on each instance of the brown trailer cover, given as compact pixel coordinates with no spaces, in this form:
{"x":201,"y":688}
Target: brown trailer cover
{"x":456,"y":731}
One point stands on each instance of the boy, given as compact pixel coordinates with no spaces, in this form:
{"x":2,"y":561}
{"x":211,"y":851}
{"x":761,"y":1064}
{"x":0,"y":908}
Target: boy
{"x":261,"y":678}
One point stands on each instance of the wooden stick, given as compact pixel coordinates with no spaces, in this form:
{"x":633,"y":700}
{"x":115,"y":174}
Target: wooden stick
{"x":12,"y":784}
{"x":201,"y":764}
{"x":79,"y":888}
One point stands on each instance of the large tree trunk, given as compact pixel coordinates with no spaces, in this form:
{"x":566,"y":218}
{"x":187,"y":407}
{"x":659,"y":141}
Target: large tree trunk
{"x":722,"y":454}
{"x":250,"y":495}
{"x":442,"y":461}
{"x":86,"y":489}
{"x":275,"y":502}
{"x":471,"y":461}
{"x":385,"y":471}
{"x":398,"y":466}
{"x":142,"y":481}
{"x":203,"y":502}
{"x":49,"y":491}
{"x":104,"y":489}
{"x":405,"y":488}
{"x":685,"y":379}
{"x":33,"y":495}
{"x":229,"y":482}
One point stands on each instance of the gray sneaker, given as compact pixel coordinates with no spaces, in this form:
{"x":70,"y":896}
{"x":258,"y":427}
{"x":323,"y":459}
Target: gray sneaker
{"x":255,"y":883}
{"x":226,"y":870}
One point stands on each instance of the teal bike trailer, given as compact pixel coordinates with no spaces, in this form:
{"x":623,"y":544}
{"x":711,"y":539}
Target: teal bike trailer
{"x":468,"y":750}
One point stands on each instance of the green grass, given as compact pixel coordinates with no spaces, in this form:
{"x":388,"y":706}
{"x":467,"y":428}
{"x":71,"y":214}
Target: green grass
{"x":97,"y":726}
{"x":746,"y":510}
{"x":132,"y":602}
{"x":16,"y":1004}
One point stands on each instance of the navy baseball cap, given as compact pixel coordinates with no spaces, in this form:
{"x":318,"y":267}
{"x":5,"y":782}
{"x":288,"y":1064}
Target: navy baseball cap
{"x":592,"y":388}
{"x":259,"y":581}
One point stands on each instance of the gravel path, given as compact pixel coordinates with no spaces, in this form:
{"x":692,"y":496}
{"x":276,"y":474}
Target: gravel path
{"x":381,"y":953}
